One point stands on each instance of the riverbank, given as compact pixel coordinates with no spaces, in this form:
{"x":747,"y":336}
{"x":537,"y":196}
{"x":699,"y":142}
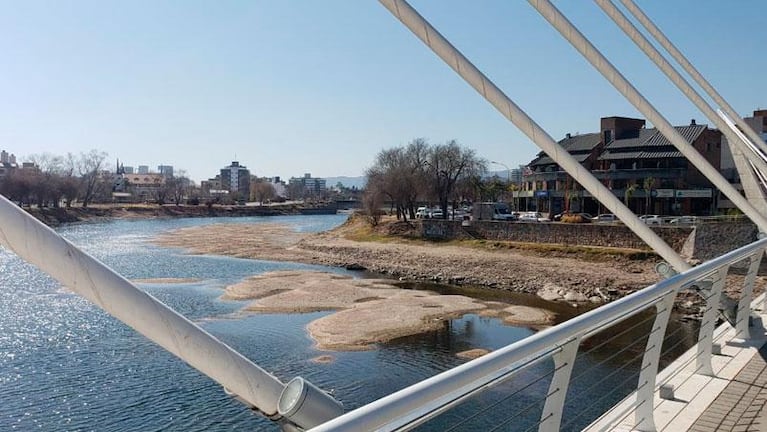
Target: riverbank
{"x":572,"y":275}
{"x":583,"y":275}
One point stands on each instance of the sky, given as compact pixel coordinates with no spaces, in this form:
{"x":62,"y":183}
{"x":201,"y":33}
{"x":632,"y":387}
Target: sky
{"x":293,"y":87}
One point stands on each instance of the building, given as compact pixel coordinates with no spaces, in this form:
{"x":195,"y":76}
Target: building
{"x":235,"y":178}
{"x":166,"y":170}
{"x":308,"y":185}
{"x":143,"y":169}
{"x":143,"y":187}
{"x":758,"y":122}
{"x":7,"y":163}
{"x":639,"y":165}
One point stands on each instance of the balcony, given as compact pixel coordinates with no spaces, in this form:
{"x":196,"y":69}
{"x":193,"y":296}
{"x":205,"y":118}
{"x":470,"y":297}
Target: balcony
{"x":618,"y":174}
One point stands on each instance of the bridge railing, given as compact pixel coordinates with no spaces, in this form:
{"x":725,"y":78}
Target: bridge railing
{"x":646,"y":311}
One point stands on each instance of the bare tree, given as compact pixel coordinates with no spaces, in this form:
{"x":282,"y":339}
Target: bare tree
{"x":447,"y":164}
{"x":262,"y":191}
{"x":89,"y":166}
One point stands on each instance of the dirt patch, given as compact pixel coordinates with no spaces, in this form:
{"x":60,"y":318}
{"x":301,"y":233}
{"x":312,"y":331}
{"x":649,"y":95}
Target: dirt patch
{"x":472,"y":353}
{"x":525,"y":315}
{"x":323,"y":359}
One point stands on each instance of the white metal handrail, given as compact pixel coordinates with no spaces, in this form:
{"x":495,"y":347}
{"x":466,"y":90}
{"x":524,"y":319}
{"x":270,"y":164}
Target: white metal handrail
{"x":413,"y":405}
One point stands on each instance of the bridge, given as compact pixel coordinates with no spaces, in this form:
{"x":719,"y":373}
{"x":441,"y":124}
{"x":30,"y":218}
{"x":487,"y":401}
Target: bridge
{"x":717,"y":385}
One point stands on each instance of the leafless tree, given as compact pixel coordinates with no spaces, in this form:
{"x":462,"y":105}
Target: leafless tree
{"x":90,"y":166}
{"x":261,"y":191}
{"x":449,"y":163}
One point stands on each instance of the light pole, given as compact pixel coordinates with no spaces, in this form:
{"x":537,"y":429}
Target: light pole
{"x":508,"y":172}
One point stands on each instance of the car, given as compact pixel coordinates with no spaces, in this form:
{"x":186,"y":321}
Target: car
{"x":533,"y":217}
{"x":684,"y":220}
{"x":422,"y":212}
{"x":651,"y":219}
{"x":605,"y":218}
{"x":436,"y":214}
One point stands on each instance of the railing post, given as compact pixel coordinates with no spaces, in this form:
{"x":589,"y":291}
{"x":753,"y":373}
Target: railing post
{"x":644,"y":419}
{"x":564,"y":360}
{"x":744,"y":305}
{"x":706,"y":334}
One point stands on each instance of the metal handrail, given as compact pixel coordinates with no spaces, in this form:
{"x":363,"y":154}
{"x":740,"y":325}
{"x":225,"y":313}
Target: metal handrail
{"x":419,"y":402}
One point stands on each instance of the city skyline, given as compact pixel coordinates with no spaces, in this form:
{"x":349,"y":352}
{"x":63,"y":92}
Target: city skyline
{"x":326,"y":86}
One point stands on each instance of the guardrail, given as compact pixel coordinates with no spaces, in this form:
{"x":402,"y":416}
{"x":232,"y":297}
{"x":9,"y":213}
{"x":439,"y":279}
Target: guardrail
{"x":419,"y":403}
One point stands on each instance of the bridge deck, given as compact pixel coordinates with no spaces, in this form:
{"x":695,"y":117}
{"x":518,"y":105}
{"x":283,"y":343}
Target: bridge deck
{"x":740,"y":406}
{"x":731,"y":400}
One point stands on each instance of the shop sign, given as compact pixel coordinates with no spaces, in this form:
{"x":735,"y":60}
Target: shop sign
{"x":694,"y":193}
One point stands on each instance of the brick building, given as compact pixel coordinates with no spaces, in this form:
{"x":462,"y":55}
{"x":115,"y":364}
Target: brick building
{"x":639,"y":165}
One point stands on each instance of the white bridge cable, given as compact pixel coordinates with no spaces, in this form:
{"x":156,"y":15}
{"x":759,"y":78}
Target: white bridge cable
{"x":38,"y":244}
{"x":648,"y":24}
{"x":598,"y":61}
{"x":665,"y":66}
{"x":735,"y":130}
{"x":487,"y":89}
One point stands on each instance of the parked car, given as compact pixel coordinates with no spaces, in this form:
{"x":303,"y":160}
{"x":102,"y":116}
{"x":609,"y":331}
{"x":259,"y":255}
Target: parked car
{"x":684,"y":220}
{"x":493,"y":211}
{"x":436,"y":214}
{"x":533,"y":217}
{"x":422,"y":212}
{"x":605,"y":218}
{"x":651,"y":219}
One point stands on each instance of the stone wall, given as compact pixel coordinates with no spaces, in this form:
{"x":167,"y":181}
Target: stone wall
{"x":712,"y":239}
{"x":703,"y":242}
{"x":607,"y":235}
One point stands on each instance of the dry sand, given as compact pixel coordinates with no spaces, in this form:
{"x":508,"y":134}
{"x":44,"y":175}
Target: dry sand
{"x":472,"y":353}
{"x":387,"y":312}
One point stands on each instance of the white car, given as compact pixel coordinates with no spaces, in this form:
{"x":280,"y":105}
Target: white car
{"x":651,"y":219}
{"x":533,"y":217}
{"x":684,"y":220}
{"x":605,"y":218}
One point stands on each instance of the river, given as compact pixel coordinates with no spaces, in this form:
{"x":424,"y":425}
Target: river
{"x":67,"y":366}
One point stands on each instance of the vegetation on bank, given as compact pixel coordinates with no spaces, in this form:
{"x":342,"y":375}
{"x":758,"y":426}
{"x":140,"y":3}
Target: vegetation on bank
{"x":389,"y":229}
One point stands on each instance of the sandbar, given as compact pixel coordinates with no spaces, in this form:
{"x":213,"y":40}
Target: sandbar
{"x":368,"y":311}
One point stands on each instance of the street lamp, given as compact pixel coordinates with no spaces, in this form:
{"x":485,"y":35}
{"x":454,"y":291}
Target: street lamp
{"x":508,"y":170}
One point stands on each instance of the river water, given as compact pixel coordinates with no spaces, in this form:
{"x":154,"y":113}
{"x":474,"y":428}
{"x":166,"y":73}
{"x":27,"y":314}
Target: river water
{"x":67,"y":366}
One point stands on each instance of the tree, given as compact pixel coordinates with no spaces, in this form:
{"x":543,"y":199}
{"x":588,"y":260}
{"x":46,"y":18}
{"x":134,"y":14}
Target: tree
{"x":447,"y":164}
{"x":89,"y":166}
{"x":647,"y":185}
{"x":262,"y":191}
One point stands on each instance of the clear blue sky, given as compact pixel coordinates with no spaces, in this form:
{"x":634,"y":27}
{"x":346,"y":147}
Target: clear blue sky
{"x":289,"y":87}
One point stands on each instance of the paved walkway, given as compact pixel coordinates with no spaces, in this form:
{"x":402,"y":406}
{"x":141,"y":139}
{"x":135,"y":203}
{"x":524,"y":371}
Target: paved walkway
{"x":732,"y":399}
{"x":740,"y":406}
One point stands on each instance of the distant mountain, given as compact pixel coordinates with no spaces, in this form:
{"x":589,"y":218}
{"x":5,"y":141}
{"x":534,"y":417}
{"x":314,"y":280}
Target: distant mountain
{"x":358,"y":182}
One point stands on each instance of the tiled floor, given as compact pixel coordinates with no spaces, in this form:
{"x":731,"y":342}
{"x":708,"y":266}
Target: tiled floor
{"x":740,"y":407}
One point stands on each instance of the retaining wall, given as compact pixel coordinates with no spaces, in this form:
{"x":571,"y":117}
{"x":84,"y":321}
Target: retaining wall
{"x":702,"y":242}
